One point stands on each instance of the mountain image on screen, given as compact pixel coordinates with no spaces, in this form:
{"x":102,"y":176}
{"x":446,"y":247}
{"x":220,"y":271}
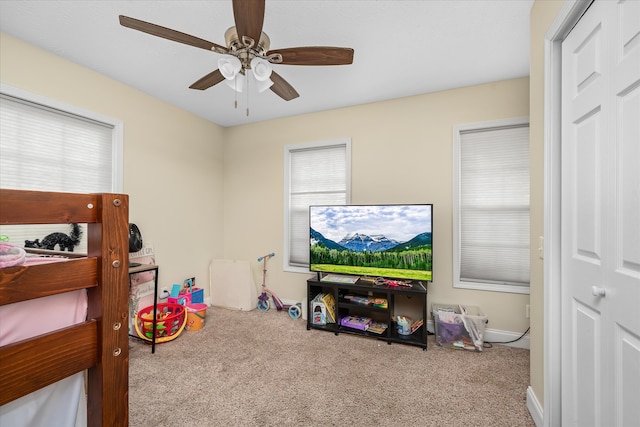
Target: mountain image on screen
{"x":359,"y":242}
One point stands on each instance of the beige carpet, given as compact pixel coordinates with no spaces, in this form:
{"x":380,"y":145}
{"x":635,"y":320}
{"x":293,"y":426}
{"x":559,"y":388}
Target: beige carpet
{"x":266,"y":369}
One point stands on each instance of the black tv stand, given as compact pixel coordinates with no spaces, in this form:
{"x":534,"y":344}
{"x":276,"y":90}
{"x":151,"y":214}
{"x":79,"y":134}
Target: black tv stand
{"x":349,"y":298}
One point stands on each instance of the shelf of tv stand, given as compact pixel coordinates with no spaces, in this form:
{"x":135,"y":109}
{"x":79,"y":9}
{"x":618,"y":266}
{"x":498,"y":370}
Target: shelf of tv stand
{"x":368,"y":288}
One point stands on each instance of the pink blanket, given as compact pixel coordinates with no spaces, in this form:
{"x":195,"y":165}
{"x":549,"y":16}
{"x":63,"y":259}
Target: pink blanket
{"x":62,"y":403}
{"x":11,"y":255}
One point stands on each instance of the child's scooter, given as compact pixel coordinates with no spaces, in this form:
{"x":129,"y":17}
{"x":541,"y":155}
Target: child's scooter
{"x":263,"y":298}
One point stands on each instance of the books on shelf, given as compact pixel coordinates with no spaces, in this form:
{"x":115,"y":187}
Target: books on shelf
{"x":357,"y":299}
{"x":366,"y":300}
{"x":330,"y":303}
{"x":415,"y":325}
{"x":380,"y":302}
{"x":377,"y":327}
{"x":318,"y":313}
{"x":325,"y":305}
{"x":340,"y":278}
{"x":357,"y":322}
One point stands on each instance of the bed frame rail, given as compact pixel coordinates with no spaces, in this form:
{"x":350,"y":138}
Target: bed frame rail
{"x":25,"y":283}
{"x":76,"y":346}
{"x":99,"y":344}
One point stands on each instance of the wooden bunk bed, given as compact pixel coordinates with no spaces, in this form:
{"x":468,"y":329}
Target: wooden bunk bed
{"x":100,"y":343}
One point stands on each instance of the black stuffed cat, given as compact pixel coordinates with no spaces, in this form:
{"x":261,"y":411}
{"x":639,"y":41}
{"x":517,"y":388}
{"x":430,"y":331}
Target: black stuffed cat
{"x":64,"y":241}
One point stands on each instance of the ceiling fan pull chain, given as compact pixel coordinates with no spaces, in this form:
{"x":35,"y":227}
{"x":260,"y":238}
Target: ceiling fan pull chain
{"x":246,"y":76}
{"x":235,"y":96}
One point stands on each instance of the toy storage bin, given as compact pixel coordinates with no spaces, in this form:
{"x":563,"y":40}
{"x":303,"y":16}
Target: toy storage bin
{"x":197,"y":296}
{"x":170,"y":322}
{"x":182,"y":299}
{"x":458,"y":326}
{"x":196,"y":316}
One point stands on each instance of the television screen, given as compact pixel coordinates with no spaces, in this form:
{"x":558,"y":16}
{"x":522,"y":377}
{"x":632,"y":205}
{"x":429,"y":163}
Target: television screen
{"x":393,"y":241}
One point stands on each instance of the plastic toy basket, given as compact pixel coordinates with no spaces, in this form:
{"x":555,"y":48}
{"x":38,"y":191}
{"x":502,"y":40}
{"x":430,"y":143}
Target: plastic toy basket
{"x":170,"y":322}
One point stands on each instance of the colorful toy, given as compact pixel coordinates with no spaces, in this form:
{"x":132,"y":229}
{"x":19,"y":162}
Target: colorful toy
{"x":170,"y":322}
{"x":263,"y":299}
{"x":381,"y":281}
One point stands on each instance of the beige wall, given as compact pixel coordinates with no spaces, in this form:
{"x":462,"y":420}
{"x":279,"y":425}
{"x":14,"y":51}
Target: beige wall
{"x":401,"y":153}
{"x":542,"y":15}
{"x":172,"y":159}
{"x":222,"y":189}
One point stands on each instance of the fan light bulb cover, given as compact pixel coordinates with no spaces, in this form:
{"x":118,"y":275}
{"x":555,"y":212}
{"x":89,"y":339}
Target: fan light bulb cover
{"x":229,"y":66}
{"x":261,"y":69}
{"x":236,"y":84}
{"x":263,"y":85}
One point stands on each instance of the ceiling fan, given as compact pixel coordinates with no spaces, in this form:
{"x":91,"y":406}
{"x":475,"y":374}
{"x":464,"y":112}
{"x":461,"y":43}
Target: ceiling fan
{"x":247,"y":48}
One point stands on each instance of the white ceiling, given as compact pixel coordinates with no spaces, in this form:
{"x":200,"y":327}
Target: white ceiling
{"x":402,"y":48}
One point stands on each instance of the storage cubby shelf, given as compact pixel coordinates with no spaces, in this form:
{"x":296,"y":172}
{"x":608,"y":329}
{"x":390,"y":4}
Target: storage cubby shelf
{"x":361,"y":290}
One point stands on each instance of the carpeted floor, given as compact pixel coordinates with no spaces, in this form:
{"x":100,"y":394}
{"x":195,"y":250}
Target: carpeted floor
{"x":266,"y":369}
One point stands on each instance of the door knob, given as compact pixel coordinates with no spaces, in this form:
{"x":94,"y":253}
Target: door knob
{"x":598,"y":292}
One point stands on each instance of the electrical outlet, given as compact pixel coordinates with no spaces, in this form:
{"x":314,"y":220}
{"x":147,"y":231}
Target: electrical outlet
{"x":164,"y":294}
{"x":527,"y":310}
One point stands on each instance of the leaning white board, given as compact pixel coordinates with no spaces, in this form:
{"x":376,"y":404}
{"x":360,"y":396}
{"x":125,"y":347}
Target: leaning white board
{"x":232,"y":285}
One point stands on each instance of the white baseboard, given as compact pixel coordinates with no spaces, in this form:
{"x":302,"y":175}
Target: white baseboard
{"x":534,"y":408}
{"x":497,"y":336}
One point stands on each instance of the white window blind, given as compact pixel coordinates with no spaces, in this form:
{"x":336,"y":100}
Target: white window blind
{"x":51,"y":150}
{"x":316,"y":174}
{"x":46,"y":146}
{"x":492,"y":212}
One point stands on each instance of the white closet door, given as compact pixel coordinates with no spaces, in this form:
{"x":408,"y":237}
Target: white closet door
{"x":601,"y":217}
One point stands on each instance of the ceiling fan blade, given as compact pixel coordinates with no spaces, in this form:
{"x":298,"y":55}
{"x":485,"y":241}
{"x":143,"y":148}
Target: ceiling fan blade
{"x":281,"y":88}
{"x":168,"y":33}
{"x":249,"y":17}
{"x":315,"y":55}
{"x":211,"y":79}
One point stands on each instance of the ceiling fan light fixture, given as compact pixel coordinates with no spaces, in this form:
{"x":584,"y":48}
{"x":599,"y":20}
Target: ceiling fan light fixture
{"x":229,"y":66}
{"x":237,"y":84}
{"x":263,"y":85}
{"x":261,"y":69}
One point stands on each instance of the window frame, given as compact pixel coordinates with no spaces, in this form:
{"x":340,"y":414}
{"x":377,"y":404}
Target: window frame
{"x":484,"y":286}
{"x":288,"y":149}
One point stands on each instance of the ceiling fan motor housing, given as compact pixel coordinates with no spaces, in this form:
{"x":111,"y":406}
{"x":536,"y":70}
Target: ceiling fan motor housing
{"x":234,"y":42}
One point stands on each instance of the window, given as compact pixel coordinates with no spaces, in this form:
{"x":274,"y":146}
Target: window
{"x":48,"y":146}
{"x":491,"y":206}
{"x":315,"y":174}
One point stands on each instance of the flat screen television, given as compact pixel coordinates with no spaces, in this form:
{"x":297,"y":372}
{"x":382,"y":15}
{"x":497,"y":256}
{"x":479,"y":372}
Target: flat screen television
{"x":391,"y":241}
